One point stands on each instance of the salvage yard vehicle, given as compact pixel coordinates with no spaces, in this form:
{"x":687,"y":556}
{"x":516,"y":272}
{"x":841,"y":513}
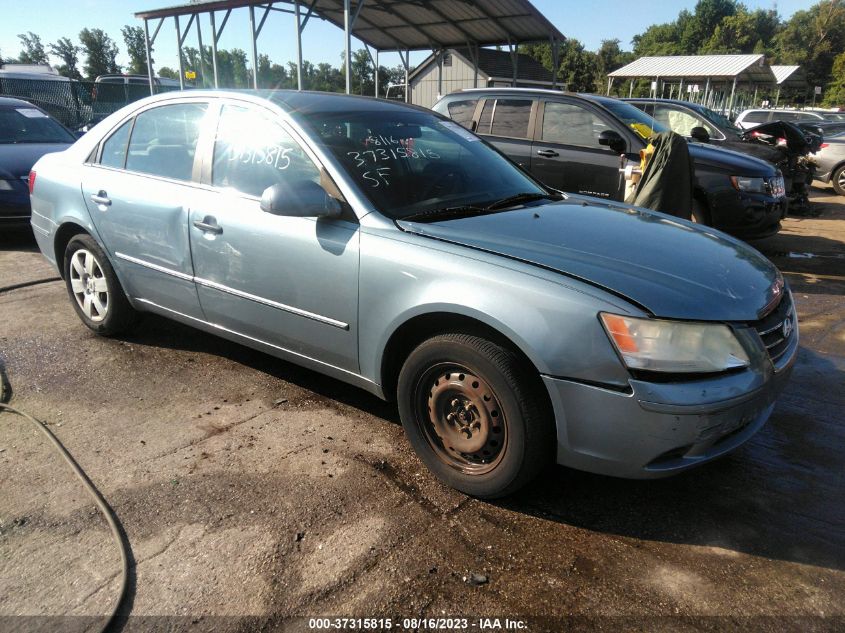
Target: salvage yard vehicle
{"x":748,"y":119}
{"x":830,"y":162}
{"x":26,"y":134}
{"x":573,"y":142}
{"x":386,"y":246}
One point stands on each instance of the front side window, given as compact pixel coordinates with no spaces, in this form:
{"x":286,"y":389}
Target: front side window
{"x":570,"y":124}
{"x":409,"y":163}
{"x":252,"y":153}
{"x":164,"y":140}
{"x":510,"y":118}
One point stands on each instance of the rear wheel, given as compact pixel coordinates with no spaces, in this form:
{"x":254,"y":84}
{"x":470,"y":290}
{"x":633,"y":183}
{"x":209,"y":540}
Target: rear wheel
{"x":93,"y":288}
{"x":838,"y":180}
{"x":475,"y":414}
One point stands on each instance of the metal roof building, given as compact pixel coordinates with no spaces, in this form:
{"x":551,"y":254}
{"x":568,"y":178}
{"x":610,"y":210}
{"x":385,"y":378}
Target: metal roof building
{"x":750,"y":70}
{"x":384,"y":25}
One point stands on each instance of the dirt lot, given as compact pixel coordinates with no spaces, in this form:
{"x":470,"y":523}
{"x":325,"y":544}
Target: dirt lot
{"x":253,"y":491}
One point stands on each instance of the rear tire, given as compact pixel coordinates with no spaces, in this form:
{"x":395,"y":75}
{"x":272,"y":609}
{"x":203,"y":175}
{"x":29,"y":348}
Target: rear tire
{"x":476,"y":414}
{"x":838,"y":180}
{"x":94,"y":290}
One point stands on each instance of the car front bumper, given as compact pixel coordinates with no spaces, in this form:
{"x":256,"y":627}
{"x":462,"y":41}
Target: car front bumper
{"x":749,"y":216}
{"x":658,"y":429}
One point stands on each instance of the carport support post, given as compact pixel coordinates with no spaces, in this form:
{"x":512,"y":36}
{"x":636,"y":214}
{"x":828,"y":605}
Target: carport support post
{"x":179,"y":53}
{"x":731,"y":102}
{"x":254,"y":47}
{"x":347,"y":27}
{"x":199,"y":42}
{"x":298,"y":47}
{"x":609,"y":85}
{"x":439,"y":56}
{"x":375,"y":75}
{"x":214,"y":48}
{"x":707,"y":92}
{"x":777,"y":97}
{"x":149,"y":55}
{"x":631,"y":90}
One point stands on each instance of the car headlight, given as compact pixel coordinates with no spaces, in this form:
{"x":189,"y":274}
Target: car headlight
{"x":674,"y":346}
{"x":5,"y":185}
{"x":748,"y":184}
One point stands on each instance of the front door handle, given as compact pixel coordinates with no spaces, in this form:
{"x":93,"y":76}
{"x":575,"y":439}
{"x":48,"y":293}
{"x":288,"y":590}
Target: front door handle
{"x":548,"y":153}
{"x":209,"y":225}
{"x":101,"y":198}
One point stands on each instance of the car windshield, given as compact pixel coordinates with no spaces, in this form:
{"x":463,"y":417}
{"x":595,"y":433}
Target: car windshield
{"x":720,"y":120}
{"x":25,"y":124}
{"x":413,"y":164}
{"x":633,"y":117}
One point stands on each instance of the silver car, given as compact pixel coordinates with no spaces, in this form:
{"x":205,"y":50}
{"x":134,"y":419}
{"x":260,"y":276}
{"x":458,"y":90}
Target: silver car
{"x":830,"y":162}
{"x":389,"y":247}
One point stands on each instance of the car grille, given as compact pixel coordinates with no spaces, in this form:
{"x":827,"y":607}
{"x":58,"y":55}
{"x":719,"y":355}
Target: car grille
{"x":771,"y":328}
{"x":777,"y":187}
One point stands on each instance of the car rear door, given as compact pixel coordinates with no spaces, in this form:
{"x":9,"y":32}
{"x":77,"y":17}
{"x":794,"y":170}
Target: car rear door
{"x":139,"y":189}
{"x":287,"y":282}
{"x":507,"y":123}
{"x":566,"y":153}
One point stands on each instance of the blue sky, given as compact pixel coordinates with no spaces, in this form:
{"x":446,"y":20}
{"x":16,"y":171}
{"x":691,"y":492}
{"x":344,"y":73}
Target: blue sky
{"x":587,"y":20}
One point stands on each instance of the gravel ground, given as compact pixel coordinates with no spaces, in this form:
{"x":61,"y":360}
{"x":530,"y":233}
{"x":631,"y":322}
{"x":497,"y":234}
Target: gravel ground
{"x":254,"y":492}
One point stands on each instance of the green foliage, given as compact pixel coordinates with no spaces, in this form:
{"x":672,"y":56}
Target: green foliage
{"x":100,"y":53}
{"x":133,"y":36}
{"x":167,"y":72}
{"x":835,"y":93}
{"x":33,"y":50}
{"x":68,"y":52}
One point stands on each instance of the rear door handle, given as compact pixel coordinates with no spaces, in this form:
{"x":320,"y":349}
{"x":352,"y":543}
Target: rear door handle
{"x":209,"y":225}
{"x":101,"y":198}
{"x":548,"y":153}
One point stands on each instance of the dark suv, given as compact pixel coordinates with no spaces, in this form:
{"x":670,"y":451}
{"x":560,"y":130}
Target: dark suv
{"x":573,"y":142}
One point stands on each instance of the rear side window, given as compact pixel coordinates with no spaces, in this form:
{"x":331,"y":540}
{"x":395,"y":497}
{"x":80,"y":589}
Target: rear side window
{"x":114,"y":149}
{"x":756,"y":117}
{"x":164,"y":140}
{"x":680,"y":121}
{"x":510,"y":118}
{"x":461,"y":111}
{"x":571,"y":124}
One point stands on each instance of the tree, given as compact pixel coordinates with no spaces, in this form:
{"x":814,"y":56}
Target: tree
{"x":167,"y":72}
{"x":68,"y":52}
{"x":100,"y":53}
{"x":576,"y":66}
{"x":272,"y":75}
{"x":33,"y":51}
{"x":813,"y":38}
{"x":133,"y":36}
{"x":835,"y":93}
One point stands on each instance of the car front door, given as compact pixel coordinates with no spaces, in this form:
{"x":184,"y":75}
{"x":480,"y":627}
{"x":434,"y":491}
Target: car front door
{"x":288,"y":282}
{"x":139,"y":189}
{"x":566,"y":153}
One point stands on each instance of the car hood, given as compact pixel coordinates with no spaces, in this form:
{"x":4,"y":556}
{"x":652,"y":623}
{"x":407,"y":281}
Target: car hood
{"x":728,"y":160}
{"x":672,"y":268}
{"x":16,"y":159}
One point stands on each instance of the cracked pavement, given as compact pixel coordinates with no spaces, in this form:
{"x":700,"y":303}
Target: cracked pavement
{"x":253,"y":491}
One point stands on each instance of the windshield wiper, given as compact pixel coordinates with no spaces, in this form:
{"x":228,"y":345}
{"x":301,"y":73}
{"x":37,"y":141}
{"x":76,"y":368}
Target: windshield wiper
{"x":448,"y":212}
{"x":527,"y":196}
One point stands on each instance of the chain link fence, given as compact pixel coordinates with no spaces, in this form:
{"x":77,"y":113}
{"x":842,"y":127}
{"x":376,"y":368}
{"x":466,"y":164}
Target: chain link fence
{"x":76,"y":103}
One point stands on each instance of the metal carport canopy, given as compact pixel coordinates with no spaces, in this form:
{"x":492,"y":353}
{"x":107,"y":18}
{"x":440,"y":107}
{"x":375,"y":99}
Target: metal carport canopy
{"x":410,"y":24}
{"x":400,"y":25}
{"x":750,"y":68}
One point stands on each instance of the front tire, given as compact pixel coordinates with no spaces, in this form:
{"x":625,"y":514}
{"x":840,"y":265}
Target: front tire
{"x":838,"y":181}
{"x":94,"y":290}
{"x":476,"y":414}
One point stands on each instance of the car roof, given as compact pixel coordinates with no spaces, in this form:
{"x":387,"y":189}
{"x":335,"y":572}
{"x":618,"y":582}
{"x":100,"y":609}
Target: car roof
{"x":539,"y":92}
{"x":10,"y":101}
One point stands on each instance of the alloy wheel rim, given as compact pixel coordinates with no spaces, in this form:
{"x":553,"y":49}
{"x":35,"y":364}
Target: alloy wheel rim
{"x":841,"y":179}
{"x":89,"y":286}
{"x":461,"y":418}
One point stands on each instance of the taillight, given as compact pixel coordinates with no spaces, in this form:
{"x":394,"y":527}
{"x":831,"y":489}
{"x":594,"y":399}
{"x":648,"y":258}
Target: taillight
{"x":823,"y":145}
{"x":31,"y":182}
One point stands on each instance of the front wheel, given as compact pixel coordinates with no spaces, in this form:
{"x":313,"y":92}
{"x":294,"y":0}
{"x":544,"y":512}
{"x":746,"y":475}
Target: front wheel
{"x":475,"y":414}
{"x":93,"y":288}
{"x":838,"y":181}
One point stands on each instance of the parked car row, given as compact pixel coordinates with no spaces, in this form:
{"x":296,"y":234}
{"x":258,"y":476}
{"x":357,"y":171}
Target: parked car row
{"x":393,"y":248}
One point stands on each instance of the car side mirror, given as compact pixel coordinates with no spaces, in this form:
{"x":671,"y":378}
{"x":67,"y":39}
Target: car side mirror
{"x":700,"y":134}
{"x":613,"y":140}
{"x":300,"y":199}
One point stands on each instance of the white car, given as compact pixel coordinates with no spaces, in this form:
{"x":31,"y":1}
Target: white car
{"x":752,"y":118}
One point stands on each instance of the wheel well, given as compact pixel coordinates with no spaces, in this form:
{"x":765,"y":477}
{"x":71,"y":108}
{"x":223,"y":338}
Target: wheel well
{"x":64,"y":235}
{"x":414,"y":331}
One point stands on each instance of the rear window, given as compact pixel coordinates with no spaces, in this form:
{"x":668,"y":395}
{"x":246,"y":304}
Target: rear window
{"x":461,"y":111}
{"x":510,"y":118}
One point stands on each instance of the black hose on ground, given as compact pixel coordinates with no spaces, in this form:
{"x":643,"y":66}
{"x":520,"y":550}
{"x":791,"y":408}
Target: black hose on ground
{"x":101,"y":503}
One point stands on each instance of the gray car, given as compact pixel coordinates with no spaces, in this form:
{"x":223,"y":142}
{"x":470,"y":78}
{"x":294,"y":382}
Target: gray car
{"x":387,"y":246}
{"x":830,"y":162}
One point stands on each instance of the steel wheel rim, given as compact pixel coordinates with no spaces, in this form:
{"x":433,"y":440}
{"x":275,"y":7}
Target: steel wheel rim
{"x":461,"y":418}
{"x":88,"y":285}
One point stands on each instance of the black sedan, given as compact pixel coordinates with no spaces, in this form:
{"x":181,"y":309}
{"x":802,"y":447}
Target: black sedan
{"x":26,"y":134}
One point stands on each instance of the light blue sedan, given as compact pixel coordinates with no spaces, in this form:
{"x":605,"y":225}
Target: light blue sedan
{"x":388,"y":247}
